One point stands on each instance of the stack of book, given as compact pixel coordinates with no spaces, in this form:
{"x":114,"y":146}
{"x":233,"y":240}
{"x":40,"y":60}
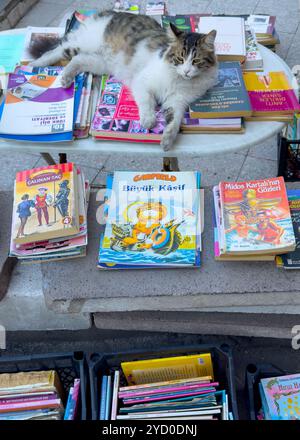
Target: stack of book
{"x":264,"y":29}
{"x":271,"y":96}
{"x":280,"y":397}
{"x":227,"y":103}
{"x":117,"y":115}
{"x":155,"y":7}
{"x":154,"y":220}
{"x":178,"y":388}
{"x":252,"y":220}
{"x":291,"y":260}
{"x":49,"y":219}
{"x":35,"y":395}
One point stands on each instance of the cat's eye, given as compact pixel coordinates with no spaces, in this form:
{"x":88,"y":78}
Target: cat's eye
{"x":178,"y":60}
{"x":198,"y":62}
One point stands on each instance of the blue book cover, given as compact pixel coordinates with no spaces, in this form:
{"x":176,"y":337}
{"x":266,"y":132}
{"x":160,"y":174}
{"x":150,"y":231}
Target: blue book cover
{"x":291,"y":260}
{"x":103,"y":397}
{"x":69,"y":404}
{"x":152,"y":221}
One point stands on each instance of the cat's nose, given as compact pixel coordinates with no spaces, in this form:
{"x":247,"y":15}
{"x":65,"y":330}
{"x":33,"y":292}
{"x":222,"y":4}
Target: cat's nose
{"x":187,"y":72}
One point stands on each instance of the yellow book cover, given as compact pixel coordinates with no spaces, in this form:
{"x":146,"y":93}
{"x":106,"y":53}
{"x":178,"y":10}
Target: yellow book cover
{"x":30,"y":382}
{"x":45,"y":204}
{"x":164,"y":369}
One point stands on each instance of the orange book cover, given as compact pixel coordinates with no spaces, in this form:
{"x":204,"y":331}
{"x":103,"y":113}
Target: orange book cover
{"x":256,"y":217}
{"x":270,"y":93}
{"x":45,"y":203}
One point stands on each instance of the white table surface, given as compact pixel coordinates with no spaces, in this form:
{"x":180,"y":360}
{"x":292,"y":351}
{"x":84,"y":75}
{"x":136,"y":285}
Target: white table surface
{"x":186,"y":144}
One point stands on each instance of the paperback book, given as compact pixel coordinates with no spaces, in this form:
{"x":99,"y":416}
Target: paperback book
{"x":153,"y":221}
{"x":117,"y":116}
{"x":253,"y":218}
{"x":228,"y":98}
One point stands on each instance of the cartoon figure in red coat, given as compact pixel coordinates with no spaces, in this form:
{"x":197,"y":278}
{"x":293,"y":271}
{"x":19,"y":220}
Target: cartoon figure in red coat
{"x":42,"y":201}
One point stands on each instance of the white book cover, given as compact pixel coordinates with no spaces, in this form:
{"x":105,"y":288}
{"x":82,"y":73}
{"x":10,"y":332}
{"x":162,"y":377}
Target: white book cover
{"x":36,"y":33}
{"x":230,"y":39}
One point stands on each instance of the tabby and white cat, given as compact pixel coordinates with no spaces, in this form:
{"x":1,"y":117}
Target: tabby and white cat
{"x":170,"y":68}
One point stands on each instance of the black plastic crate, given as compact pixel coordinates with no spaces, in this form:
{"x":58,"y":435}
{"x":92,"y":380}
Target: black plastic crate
{"x":68,"y":366}
{"x":254,"y":373}
{"x":100,"y":364}
{"x":288,"y":159}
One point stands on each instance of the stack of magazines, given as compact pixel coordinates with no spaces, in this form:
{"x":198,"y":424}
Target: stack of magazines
{"x":178,"y":388}
{"x":33,"y":395}
{"x":252,"y":220}
{"x":49,"y":214}
{"x":154,"y":220}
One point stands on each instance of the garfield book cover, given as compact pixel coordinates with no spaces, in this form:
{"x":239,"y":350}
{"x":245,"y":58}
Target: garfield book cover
{"x":152,"y":219}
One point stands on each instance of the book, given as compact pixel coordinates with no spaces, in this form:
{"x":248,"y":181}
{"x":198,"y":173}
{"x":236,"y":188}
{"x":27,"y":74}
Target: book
{"x":37,"y":108}
{"x":271,"y":94}
{"x":214,"y":125}
{"x":11,"y":48}
{"x":131,"y":6}
{"x":281,"y":397}
{"x":117,"y":116}
{"x":263,"y":25}
{"x":103,"y":398}
{"x":35,"y":35}
{"x":154,"y":370}
{"x":253,"y":218}
{"x":46,"y":204}
{"x":291,"y":260}
{"x":254,"y":60}
{"x":108,"y":399}
{"x":114,"y":406}
{"x":152,"y":221}
{"x":228,"y":98}
{"x":230,"y":39}
{"x":155,"y":7}
{"x":29,"y":382}
{"x":186,"y":23}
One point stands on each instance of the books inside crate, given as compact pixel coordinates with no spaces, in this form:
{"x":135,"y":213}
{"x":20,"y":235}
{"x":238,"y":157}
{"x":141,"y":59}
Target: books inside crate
{"x":105,"y":109}
{"x":174,"y":388}
{"x":37,"y":395}
{"x":272,"y":393}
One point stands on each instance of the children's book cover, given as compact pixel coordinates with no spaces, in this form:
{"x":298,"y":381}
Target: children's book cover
{"x":228,"y":98}
{"x":256,"y":216}
{"x":291,"y":260}
{"x":185,"y":23}
{"x":45,"y":204}
{"x":152,"y":220}
{"x":270,"y":93}
{"x":117,"y":116}
{"x":37,"y":105}
{"x":282,"y":397}
{"x":163,"y":369}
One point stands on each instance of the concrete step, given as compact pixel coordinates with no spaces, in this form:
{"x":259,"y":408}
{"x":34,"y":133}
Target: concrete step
{"x":214,"y":285}
{"x":237,"y":324}
{"x":12,"y":11}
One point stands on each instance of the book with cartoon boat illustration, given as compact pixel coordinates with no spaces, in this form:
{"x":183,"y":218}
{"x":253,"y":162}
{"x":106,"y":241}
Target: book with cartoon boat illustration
{"x":153,"y":220}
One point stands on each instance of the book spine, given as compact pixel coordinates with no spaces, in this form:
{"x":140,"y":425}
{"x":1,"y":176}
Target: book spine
{"x":103,"y":398}
{"x":115,"y":395}
{"x":30,"y":405}
{"x":68,"y":407}
{"x":108,"y":399}
{"x":153,"y":398}
{"x":166,"y":390}
{"x":74,"y":401}
{"x":26,"y":399}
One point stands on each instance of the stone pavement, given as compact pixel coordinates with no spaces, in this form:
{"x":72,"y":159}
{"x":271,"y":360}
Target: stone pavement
{"x":278,"y":291}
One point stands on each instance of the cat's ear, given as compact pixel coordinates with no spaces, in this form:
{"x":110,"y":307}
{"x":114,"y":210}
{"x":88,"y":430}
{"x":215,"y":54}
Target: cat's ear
{"x":210,"y":39}
{"x":174,"y":31}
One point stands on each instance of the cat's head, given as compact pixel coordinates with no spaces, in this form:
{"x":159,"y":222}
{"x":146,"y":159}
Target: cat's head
{"x":191,"y":53}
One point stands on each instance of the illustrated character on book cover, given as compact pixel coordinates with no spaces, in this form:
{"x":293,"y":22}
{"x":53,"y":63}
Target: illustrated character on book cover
{"x":62,"y":198}
{"x":42,"y":200}
{"x":24,"y":212}
{"x":148,"y":232}
{"x":254,"y":219}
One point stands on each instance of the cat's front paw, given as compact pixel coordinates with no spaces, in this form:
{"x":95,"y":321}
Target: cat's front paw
{"x":166,"y":142}
{"x":66,"y":81}
{"x":148,"y":120}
